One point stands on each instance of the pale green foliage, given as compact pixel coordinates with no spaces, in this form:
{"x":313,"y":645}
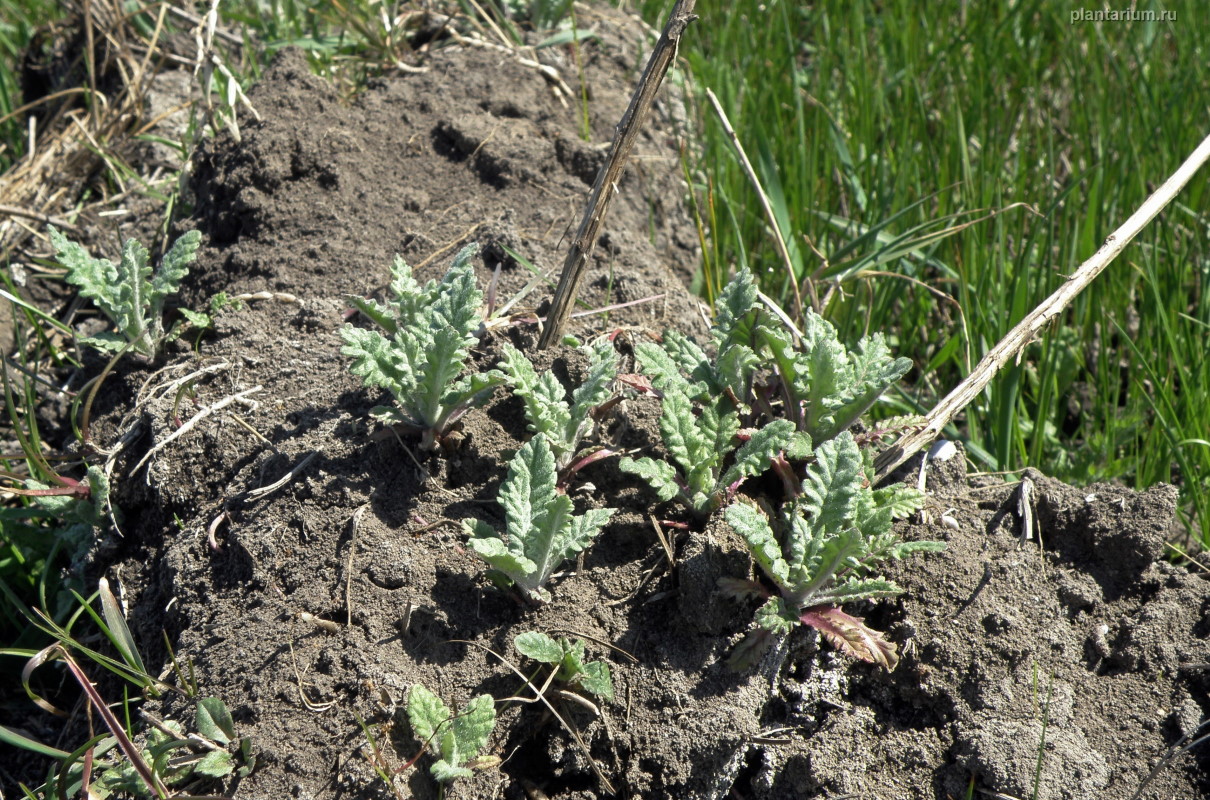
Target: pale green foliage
{"x":824,"y":387}
{"x":542,"y":530}
{"x":429,"y":331}
{"x":828,"y":542}
{"x":568,"y":656}
{"x":700,"y":445}
{"x":128,"y":293}
{"x":455,"y":739}
{"x":549,"y":414}
{"x":176,"y":758}
{"x":729,"y":375}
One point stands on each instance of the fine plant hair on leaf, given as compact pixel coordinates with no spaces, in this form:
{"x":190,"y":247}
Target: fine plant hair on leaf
{"x":429,"y":331}
{"x":704,"y":401}
{"x":825,"y":388}
{"x":679,"y":361}
{"x":563,"y":424}
{"x":455,"y":738}
{"x":129,"y":293}
{"x":699,"y":445}
{"x":827,"y":543}
{"x":543,"y":531}
{"x":593,"y":677}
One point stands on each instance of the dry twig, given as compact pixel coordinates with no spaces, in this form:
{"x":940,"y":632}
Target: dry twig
{"x":606,"y":184}
{"x":1016,"y":340}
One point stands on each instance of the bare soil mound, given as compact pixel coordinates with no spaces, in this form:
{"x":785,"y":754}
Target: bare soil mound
{"x":1061,"y":667}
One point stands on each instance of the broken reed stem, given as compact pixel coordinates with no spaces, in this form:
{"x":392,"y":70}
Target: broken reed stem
{"x":606,"y":184}
{"x":778,"y":238}
{"x":1015,"y":341}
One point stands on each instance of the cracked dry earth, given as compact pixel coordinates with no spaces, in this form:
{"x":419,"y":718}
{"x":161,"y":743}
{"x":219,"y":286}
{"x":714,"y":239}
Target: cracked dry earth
{"x":1062,"y":667}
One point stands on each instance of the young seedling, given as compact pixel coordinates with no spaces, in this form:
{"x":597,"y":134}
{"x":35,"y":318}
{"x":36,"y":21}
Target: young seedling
{"x":568,"y":658}
{"x":179,"y":759}
{"x":700,"y":445}
{"x":564,"y":426}
{"x":429,"y":331}
{"x":127,"y":293}
{"x":542,"y":530}
{"x":455,"y":739}
{"x":729,"y":376}
{"x":824,"y":388}
{"x":829,"y":539}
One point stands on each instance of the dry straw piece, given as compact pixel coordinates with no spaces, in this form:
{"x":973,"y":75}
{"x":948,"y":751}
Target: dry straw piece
{"x":1019,"y":337}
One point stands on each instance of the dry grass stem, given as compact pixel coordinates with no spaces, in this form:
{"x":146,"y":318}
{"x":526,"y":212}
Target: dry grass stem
{"x":1016,"y":340}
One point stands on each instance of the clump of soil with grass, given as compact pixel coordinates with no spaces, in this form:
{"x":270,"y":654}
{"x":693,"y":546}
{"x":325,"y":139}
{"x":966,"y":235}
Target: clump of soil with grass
{"x":311,"y":570}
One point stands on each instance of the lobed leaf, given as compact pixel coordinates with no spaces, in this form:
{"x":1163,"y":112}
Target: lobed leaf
{"x":411,"y":301}
{"x":426,"y":713}
{"x":508,"y":558}
{"x":685,"y":442}
{"x":755,"y":455}
{"x":660,"y":475}
{"x":458,"y":302}
{"x":832,"y":483}
{"x":441,"y":366}
{"x":774,"y":617}
{"x":173,"y":269}
{"x":735,"y":303}
{"x":851,"y":635}
{"x":903,"y":501}
{"x":661,"y":367}
{"x":539,"y":647}
{"x":380,"y":315}
{"x":595,"y":390}
{"x":529,"y":488}
{"x":752,"y":525}
{"x":376,"y":361}
{"x":542,"y":530}
{"x":855,"y":589}
{"x":545,"y":408}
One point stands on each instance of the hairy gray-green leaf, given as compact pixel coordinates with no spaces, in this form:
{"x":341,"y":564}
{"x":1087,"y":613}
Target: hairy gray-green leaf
{"x":457,"y":739}
{"x":429,"y":331}
{"x":127,"y":293}
{"x":542,"y":530}
{"x":660,"y":475}
{"x":823,"y":546}
{"x":546,"y":408}
{"x":754,"y":455}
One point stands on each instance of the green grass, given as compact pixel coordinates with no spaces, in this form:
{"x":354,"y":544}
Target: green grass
{"x":878,"y":128}
{"x":18,"y":21}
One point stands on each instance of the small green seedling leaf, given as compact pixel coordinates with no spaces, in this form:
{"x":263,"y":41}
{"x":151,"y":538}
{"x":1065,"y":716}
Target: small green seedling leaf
{"x":214,"y":721}
{"x":427,"y":335}
{"x":539,"y":647}
{"x":821,"y":550}
{"x":128,"y":293}
{"x":456,"y":739}
{"x":542,"y":530}
{"x":215,"y":764}
{"x":593,"y":677}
